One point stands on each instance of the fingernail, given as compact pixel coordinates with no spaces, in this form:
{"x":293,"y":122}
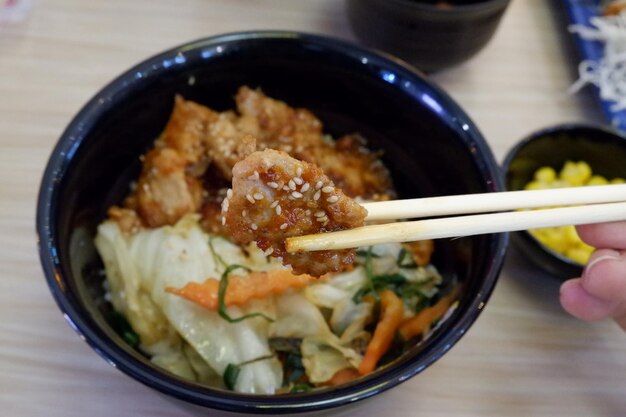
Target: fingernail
{"x":598,"y":260}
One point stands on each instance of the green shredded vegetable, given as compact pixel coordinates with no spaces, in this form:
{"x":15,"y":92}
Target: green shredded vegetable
{"x":216,"y":257}
{"x":221,"y":297}
{"x":231,"y":373}
{"x":124,"y":329}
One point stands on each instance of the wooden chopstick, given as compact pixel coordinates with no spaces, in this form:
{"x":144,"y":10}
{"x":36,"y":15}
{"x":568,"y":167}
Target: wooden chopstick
{"x":448,"y":227}
{"x":493,"y":202}
{"x":458,"y":226}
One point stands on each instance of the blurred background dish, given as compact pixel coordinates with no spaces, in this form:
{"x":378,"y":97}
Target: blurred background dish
{"x":432,"y":35}
{"x":560,"y":156}
{"x":595,"y":37}
{"x":430,"y":144}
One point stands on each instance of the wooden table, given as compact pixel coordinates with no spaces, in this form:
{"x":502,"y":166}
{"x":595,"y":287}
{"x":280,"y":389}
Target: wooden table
{"x":524,"y":356}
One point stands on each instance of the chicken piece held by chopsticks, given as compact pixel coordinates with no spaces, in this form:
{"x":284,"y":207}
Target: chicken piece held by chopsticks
{"x":275,"y":196}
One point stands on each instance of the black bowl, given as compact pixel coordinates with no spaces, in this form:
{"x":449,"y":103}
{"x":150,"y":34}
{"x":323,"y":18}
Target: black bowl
{"x":429,"y":36}
{"x":430,"y":144}
{"x":603,"y":149}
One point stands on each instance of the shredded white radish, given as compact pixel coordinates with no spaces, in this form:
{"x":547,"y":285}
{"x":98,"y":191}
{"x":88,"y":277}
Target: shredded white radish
{"x":608,"y":74}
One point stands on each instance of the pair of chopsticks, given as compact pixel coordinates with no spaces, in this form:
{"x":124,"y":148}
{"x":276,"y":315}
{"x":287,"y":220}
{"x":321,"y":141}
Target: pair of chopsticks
{"x":592,"y":204}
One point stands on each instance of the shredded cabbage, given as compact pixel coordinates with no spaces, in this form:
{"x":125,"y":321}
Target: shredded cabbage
{"x":198,"y":344}
{"x":609,"y":73}
{"x":141,"y":266}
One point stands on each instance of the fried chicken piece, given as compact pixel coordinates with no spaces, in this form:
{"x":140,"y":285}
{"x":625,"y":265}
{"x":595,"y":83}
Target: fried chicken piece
{"x":277,"y":125}
{"x":275,"y":196}
{"x":186,"y":132}
{"x":228,"y":141}
{"x":165,"y":192}
{"x":356,"y":170}
{"x":203,"y":136}
{"x":353,"y":168}
{"x":126,"y":218}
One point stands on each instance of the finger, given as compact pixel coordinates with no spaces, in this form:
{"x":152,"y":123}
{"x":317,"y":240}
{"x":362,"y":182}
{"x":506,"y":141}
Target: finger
{"x":579,"y":303}
{"x":604,"y":276}
{"x":604,"y":235}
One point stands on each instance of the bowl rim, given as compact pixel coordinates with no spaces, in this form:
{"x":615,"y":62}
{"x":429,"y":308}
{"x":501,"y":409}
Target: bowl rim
{"x":565,"y":127}
{"x":456,"y":10}
{"x":78,"y":128}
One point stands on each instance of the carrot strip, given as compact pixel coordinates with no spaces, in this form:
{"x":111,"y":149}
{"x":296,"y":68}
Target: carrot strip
{"x":392,"y":312}
{"x":421,"y":322}
{"x":241,"y":289}
{"x":342,"y":376}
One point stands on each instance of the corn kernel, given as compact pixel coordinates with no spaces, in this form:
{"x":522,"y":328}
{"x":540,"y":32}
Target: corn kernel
{"x":597,"y":180}
{"x":565,"y":240}
{"x":536,"y":185}
{"x":545,"y":175}
{"x":576,"y":173}
{"x":570,"y":235}
{"x":618,"y":181}
{"x":578,"y":255}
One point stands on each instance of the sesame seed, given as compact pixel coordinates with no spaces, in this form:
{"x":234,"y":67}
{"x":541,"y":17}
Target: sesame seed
{"x":299,"y":171}
{"x":268,"y":251}
{"x":296,"y":194}
{"x":305,"y":187}
{"x":298,"y":180}
{"x":321,"y":219}
{"x":320,"y":213}
{"x":279,"y":210}
{"x":328,"y":189}
{"x":283,"y":226}
{"x":272,"y":184}
{"x":292,"y":184}
{"x":285,"y":188}
{"x":229,"y":193}
{"x":317,"y":195}
{"x":223,"y":221}
{"x":332,"y":199}
{"x":274,"y":204}
{"x":307,"y":212}
{"x":258,"y":196}
{"x":256,"y":175}
{"x":253,"y":226}
{"x":319,"y":185}
{"x":250,"y":199}
{"x":244,"y":213}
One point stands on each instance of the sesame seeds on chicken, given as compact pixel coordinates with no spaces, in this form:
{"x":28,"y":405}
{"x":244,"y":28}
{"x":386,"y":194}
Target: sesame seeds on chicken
{"x":288,"y":178}
{"x":275,"y":196}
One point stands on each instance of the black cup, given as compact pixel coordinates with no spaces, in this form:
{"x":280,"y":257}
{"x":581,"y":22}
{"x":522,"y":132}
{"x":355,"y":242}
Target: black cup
{"x":427,"y":34}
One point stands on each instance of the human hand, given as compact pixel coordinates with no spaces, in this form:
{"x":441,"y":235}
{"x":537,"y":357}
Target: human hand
{"x":601,"y":291}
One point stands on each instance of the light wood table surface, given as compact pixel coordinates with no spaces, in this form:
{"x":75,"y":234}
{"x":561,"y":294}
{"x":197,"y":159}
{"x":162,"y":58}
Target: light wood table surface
{"x":523,"y":357}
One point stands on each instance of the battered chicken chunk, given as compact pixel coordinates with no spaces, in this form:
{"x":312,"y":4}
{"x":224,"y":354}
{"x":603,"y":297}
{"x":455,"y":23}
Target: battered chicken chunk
{"x":275,"y":196}
{"x":277,"y":125}
{"x":193,"y":159}
{"x":298,"y":132}
{"x":165,"y":192}
{"x":186,"y":133}
{"x":354,"y":168}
